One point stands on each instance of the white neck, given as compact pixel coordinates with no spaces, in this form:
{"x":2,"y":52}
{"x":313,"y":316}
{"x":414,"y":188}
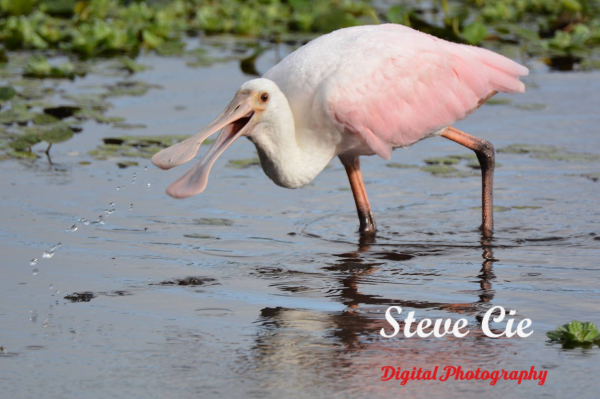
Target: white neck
{"x":291,"y":158}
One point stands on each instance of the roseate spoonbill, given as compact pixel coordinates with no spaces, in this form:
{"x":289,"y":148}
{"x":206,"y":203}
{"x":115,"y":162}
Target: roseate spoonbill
{"x":357,"y":91}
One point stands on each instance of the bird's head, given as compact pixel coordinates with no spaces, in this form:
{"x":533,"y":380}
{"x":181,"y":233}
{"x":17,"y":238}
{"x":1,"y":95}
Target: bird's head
{"x":255,"y":102}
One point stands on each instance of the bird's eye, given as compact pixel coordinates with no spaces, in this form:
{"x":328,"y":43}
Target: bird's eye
{"x":264,"y":97}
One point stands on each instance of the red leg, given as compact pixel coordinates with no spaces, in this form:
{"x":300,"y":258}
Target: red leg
{"x":485,"y":154}
{"x":365,"y":216}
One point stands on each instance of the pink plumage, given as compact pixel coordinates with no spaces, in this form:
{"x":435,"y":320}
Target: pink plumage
{"x":358,"y":91}
{"x":392,"y":85}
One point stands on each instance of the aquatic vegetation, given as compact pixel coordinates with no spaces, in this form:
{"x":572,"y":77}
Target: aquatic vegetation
{"x":442,"y":161}
{"x":499,"y":101}
{"x":7,"y":92}
{"x":530,"y":107}
{"x":39,"y":67}
{"x":199,"y":236}
{"x":134,"y":146}
{"x":549,"y":152}
{"x":401,"y":165}
{"x":213,"y":222}
{"x":575,"y":333}
{"x":243,"y":163}
{"x":442,"y":170}
{"x":563,"y":32}
{"x":129,"y":88}
{"x":131,"y":66}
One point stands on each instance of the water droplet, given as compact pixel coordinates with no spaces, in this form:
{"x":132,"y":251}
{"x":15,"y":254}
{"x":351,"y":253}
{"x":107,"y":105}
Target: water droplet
{"x":111,"y":204}
{"x":51,"y":286}
{"x":86,"y":222}
{"x":50,"y":252}
{"x":73,"y":228}
{"x":130,"y":206}
{"x":57,"y":292}
{"x":109,"y":211}
{"x":148,"y":184}
{"x":33,"y":262}
{"x":35,"y":272}
{"x":145,"y":168}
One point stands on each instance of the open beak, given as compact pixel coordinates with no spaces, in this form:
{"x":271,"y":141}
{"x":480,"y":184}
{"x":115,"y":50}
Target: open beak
{"x":237,"y":120}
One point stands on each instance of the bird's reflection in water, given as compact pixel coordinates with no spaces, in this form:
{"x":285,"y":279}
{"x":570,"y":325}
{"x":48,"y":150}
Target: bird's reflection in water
{"x":308,"y":343}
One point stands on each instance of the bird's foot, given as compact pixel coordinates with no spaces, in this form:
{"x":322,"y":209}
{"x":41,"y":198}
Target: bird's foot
{"x":368,"y":227}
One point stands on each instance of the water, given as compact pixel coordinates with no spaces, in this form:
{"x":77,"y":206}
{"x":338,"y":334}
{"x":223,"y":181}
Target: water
{"x":251,"y":290}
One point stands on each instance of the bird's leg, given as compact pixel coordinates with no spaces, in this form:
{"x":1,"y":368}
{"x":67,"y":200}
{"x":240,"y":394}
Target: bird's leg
{"x":485,"y":154}
{"x":365,"y":216}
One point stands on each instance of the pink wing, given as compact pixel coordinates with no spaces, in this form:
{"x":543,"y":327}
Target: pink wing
{"x":399,"y":85}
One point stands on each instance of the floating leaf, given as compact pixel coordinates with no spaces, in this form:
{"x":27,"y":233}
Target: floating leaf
{"x":6,"y":93}
{"x":401,"y":166}
{"x":57,"y":135}
{"x":213,"y":222}
{"x":243,"y":163}
{"x":576,"y":333}
{"x":442,"y":161}
{"x":44,"y":119}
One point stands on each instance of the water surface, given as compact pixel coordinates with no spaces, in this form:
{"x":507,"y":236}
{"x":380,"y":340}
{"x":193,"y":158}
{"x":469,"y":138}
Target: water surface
{"x":285,"y":299}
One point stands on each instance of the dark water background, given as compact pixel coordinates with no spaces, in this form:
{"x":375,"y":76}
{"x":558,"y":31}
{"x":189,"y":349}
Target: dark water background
{"x":286,"y":300}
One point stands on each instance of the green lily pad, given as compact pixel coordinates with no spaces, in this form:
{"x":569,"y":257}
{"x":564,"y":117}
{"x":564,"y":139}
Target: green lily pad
{"x":44,"y":119}
{"x":499,"y":101}
{"x":530,"y":107}
{"x":131,"y":66}
{"x":199,"y":236}
{"x":39,"y":67}
{"x":442,"y":170}
{"x":213,"y":222}
{"x":551,"y":153}
{"x":89,"y":101}
{"x":122,"y":125}
{"x":25,"y":142}
{"x":88,"y":114}
{"x":129,"y":88}
{"x":401,"y":166}
{"x":7,"y":92}
{"x":57,"y":135}
{"x":243,"y":163}
{"x":442,"y":161}
{"x":17,"y":114}
{"x":134,"y":146}
{"x":22,"y":154}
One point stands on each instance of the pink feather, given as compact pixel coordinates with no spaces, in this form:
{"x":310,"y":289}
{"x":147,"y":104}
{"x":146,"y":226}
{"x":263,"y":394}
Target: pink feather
{"x":392,"y":85}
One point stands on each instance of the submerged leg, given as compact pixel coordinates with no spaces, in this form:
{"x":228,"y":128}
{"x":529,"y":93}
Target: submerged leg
{"x":485,"y":154}
{"x":365,"y":216}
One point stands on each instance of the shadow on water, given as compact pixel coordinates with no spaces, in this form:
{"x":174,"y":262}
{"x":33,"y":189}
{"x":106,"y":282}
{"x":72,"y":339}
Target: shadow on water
{"x":303,"y":343}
